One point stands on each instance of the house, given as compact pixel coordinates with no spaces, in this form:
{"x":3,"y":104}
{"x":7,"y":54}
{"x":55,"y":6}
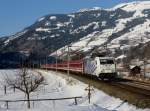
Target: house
{"x":134,"y":70}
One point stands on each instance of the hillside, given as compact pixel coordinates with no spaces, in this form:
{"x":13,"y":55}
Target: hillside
{"x":121,"y":28}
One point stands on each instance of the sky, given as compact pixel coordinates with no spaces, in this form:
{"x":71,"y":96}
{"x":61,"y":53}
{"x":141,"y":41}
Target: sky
{"x":16,"y":15}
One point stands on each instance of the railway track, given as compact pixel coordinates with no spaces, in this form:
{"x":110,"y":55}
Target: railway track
{"x":130,"y":85}
{"x":142,"y":84}
{"x":135,"y":86}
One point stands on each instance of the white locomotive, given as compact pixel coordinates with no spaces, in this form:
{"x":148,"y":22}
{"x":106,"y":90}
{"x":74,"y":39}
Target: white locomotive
{"x":102,"y":67}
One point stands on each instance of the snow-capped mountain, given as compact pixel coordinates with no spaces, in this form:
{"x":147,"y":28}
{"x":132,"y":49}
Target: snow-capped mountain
{"x":122,"y":27}
{"x":127,"y":32}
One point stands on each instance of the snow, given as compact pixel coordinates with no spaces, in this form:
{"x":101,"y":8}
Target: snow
{"x":14,"y":37}
{"x":137,"y":6}
{"x":41,"y":19}
{"x":98,"y":15}
{"x":71,"y":15}
{"x":121,"y":57}
{"x":83,"y":28}
{"x":97,"y":8}
{"x":135,"y":34}
{"x":92,"y":9}
{"x":52,"y":36}
{"x":132,"y":6}
{"x":96,"y":26}
{"x":67,"y":23}
{"x":53,"y":18}
{"x":88,"y":42}
{"x":81,"y":45}
{"x":43,"y":29}
{"x":59,"y":24}
{"x":120,"y":25}
{"x":58,"y":87}
{"x":104,"y":23}
{"x":113,"y":46}
{"x":48,"y":23}
{"x":122,"y":22}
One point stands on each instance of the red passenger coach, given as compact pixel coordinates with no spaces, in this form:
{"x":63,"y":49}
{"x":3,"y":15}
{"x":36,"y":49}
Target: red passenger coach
{"x":101,"y":67}
{"x":74,"y":66}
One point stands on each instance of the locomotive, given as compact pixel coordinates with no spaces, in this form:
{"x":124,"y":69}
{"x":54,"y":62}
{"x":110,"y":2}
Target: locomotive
{"x":101,"y":67}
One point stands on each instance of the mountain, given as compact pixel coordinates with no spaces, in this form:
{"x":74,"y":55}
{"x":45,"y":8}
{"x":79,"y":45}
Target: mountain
{"x":126,"y":33}
{"x":122,"y":28}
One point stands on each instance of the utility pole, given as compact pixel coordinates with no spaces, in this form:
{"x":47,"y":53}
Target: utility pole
{"x":56,"y":62}
{"x":106,"y":48}
{"x":89,"y":89}
{"x":68,"y":64}
{"x":46,"y":62}
{"x":144,"y":65}
{"x":122,"y":57}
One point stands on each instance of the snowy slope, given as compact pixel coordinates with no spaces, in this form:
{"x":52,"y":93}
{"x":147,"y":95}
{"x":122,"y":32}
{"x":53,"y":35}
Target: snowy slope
{"x":128,"y":32}
{"x":134,"y":6}
{"x":58,"y":86}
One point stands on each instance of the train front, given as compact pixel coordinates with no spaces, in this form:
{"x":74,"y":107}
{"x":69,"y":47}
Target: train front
{"x":102,"y":67}
{"x":106,"y":68}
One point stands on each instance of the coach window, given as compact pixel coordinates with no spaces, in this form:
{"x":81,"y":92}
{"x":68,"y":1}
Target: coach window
{"x":106,"y":61}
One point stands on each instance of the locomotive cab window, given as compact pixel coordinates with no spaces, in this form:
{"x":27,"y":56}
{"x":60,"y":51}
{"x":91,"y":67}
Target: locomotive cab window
{"x":106,"y":61}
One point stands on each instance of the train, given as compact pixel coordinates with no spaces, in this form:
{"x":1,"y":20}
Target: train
{"x":101,"y":67}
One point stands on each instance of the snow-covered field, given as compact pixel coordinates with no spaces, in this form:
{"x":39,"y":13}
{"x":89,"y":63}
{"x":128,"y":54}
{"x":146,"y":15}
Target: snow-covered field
{"x":59,"y":87}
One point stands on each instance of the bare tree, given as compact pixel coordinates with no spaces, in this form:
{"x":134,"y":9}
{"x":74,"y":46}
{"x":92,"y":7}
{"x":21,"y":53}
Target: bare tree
{"x":26,"y":81}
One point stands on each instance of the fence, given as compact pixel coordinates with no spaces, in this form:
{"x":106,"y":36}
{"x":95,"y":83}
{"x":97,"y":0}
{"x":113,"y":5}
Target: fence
{"x":33,"y":100}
